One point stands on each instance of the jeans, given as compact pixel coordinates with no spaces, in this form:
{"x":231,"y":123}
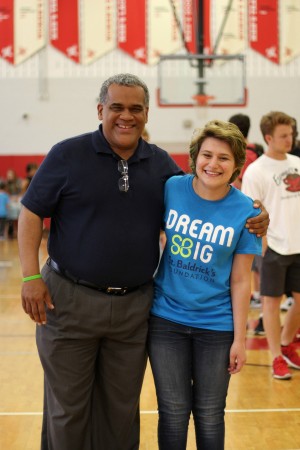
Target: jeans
{"x":190,"y":369}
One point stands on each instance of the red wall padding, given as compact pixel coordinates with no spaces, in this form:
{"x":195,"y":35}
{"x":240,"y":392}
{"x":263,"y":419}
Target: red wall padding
{"x":19,"y":162}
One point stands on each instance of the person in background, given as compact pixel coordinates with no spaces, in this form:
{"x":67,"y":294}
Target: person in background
{"x":4,"y":202}
{"x":13,"y":187}
{"x":295,"y":150}
{"x":275,"y":179}
{"x":13,"y":183}
{"x":197,"y":328}
{"x":104,"y":193}
{"x":253,"y":151}
{"x":31,"y":169}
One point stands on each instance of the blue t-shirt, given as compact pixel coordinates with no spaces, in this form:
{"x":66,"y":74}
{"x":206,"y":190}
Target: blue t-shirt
{"x":192,"y":285}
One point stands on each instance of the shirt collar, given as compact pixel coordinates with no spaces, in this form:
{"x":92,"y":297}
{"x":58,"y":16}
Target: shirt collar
{"x":100,"y":144}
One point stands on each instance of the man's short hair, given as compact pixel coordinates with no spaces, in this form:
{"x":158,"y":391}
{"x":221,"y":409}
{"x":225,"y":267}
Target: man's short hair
{"x":270,"y":121}
{"x":123,"y":79}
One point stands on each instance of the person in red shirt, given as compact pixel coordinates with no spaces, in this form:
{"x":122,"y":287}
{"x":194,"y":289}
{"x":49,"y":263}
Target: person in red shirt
{"x":253,"y":151}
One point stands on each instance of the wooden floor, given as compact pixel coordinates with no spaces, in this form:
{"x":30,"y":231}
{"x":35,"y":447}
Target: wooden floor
{"x":261,"y":413}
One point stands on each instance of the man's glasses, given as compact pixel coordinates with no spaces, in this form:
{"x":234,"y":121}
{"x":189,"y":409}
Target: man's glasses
{"x":124,"y":180}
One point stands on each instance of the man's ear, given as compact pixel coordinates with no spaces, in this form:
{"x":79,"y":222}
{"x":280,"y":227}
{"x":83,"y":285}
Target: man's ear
{"x":268,"y":138}
{"x":100,"y":110}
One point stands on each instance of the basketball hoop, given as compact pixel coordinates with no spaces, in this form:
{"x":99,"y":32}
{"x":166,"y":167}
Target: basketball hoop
{"x":201,"y":103}
{"x":202,"y":100}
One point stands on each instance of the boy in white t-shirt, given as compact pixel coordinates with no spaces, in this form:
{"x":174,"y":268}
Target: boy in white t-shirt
{"x":274,"y":179}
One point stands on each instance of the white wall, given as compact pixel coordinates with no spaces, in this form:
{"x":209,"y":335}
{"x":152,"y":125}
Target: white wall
{"x":49,"y":98}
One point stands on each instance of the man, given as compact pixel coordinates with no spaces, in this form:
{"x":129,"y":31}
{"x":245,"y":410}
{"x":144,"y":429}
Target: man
{"x":274,"y":179}
{"x":104,"y":194}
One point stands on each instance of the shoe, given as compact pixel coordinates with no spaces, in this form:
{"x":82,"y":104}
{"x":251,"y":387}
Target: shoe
{"x":255,"y":302}
{"x":291,"y":356}
{"x":285,"y":306}
{"x":259,"y":329}
{"x":280,"y":369}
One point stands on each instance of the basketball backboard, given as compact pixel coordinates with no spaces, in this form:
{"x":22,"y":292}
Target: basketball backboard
{"x":202,"y":80}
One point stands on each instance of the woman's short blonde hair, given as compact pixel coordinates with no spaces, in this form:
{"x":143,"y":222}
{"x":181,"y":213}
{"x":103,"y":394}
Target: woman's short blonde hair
{"x":226,"y":132}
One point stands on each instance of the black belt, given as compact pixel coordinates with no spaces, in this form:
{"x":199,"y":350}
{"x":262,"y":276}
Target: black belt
{"x":107,"y":290}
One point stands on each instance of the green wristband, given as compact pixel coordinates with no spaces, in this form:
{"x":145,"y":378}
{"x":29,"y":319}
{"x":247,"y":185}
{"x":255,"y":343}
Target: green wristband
{"x":33,"y":277}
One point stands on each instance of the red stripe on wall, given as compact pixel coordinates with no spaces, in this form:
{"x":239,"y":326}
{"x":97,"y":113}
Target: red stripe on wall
{"x":18,"y":163}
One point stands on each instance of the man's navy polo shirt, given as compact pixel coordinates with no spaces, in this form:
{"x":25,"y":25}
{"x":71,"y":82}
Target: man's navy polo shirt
{"x":98,"y":233}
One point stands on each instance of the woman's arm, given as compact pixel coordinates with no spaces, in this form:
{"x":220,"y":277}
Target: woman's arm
{"x":240,"y":283}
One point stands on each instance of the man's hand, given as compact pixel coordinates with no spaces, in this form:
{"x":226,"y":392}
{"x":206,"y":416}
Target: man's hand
{"x":35,"y":295}
{"x":260,"y":223}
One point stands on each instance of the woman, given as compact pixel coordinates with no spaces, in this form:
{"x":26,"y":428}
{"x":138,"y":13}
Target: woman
{"x":202,"y":290}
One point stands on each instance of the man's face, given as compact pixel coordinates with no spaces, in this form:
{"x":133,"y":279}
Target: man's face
{"x":280,"y":142}
{"x":123,"y":116}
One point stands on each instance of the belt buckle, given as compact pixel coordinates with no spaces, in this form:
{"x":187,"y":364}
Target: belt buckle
{"x":116,"y":290}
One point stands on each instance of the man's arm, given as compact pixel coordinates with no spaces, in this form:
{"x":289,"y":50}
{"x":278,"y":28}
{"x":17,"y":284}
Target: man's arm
{"x":34,"y":292}
{"x":259,"y":224}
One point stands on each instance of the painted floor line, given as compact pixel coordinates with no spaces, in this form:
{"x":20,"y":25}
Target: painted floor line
{"x":5,"y":353}
{"x":264,"y":410}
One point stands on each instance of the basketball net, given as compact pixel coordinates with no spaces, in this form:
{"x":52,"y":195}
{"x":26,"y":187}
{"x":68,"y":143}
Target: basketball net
{"x":201,"y":104}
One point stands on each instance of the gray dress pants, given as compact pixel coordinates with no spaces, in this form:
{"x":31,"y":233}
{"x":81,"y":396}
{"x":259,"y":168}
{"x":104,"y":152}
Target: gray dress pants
{"x":93,"y":353}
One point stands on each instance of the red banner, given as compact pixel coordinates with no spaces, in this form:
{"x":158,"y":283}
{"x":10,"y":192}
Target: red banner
{"x":131,"y":25}
{"x":207,"y":30}
{"x":190,"y":25}
{"x":147,"y":29}
{"x":22,"y":30}
{"x":7,"y":30}
{"x":84,"y":30}
{"x":263,"y":28}
{"x":64,"y":27}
